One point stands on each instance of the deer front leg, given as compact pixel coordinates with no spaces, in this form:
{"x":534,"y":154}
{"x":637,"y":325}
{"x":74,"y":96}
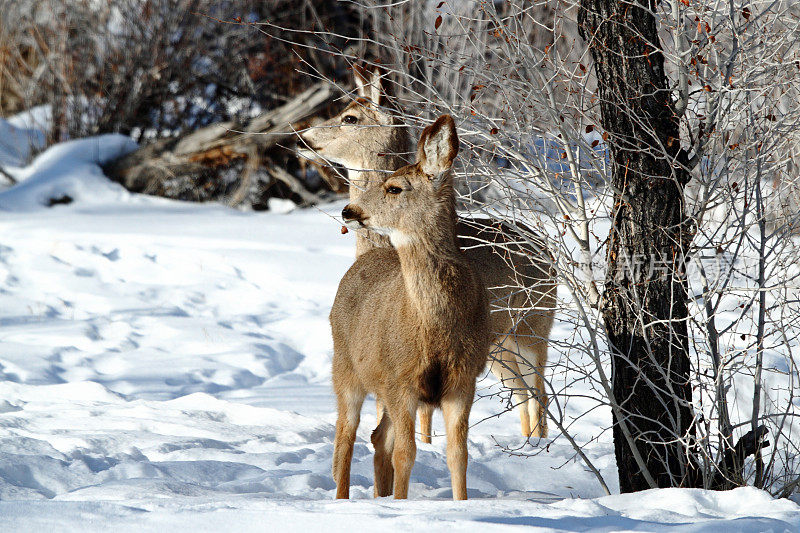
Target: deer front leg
{"x":349,"y":407}
{"x":405,"y":448}
{"x":456,"y":419}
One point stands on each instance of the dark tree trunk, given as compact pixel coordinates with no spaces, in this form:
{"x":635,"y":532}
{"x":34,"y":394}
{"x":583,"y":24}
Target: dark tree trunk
{"x":645,"y":301}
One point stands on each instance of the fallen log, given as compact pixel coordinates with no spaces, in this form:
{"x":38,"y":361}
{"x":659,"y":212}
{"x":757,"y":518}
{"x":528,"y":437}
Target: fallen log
{"x":196,"y":159}
{"x":294,"y":184}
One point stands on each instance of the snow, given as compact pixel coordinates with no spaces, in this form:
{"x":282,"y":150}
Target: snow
{"x":20,"y":135}
{"x":166,"y":366}
{"x":69,"y":170}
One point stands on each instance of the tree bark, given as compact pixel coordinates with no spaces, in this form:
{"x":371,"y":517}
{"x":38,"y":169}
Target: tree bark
{"x":645,"y":302}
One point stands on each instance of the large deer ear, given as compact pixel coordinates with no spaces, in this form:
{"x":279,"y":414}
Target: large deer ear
{"x":438,"y":147}
{"x":369,"y":83}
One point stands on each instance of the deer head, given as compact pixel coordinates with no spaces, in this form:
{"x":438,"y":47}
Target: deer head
{"x":363,"y":136}
{"x":417,"y":199}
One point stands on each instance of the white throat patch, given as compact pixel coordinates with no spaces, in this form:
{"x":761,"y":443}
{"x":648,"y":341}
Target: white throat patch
{"x":398,"y":238}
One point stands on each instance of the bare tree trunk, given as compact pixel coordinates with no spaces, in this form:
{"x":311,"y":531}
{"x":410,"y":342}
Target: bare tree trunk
{"x":645,"y":301}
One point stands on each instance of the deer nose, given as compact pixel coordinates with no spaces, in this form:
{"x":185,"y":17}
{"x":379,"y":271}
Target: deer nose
{"x":351,"y":212}
{"x":348,"y":213}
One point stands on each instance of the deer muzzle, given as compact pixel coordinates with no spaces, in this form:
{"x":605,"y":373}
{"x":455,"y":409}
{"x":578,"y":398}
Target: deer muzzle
{"x":353,"y":216}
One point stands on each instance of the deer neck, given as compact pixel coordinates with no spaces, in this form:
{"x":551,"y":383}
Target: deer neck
{"x":431,"y":264}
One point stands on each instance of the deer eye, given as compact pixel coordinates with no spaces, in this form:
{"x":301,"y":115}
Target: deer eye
{"x":350,"y":119}
{"x":394,"y":190}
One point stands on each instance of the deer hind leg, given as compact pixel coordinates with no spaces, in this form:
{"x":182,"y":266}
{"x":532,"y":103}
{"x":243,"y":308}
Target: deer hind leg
{"x":425,"y":412}
{"x":456,"y":418}
{"x":503,"y":364}
{"x":537,"y":404}
{"x":531,"y":348}
{"x":349,"y":407}
{"x":536,"y":327}
{"x":403,"y":413}
{"x":425,"y":422}
{"x":383,"y":441}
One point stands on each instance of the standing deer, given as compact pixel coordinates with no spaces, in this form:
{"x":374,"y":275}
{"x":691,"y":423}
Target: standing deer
{"x":410,"y":324}
{"x":369,"y":141}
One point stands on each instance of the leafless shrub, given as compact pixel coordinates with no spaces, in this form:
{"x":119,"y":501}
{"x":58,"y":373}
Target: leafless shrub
{"x":156,"y":69}
{"x":521,"y":83}
{"x":152,"y":68}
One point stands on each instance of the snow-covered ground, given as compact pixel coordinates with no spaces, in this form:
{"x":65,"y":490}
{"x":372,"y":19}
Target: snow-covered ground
{"x":166,"y":366}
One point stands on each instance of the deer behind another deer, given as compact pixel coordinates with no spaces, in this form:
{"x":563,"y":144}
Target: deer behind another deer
{"x":516,"y":268}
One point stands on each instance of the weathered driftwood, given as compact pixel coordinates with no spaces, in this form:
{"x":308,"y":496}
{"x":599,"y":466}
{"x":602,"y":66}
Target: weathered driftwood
{"x":294,"y":184}
{"x":193,"y":158}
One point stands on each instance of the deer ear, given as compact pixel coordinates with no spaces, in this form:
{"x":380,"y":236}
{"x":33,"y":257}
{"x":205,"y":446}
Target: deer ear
{"x":360,"y":75}
{"x":376,"y":87}
{"x":438,"y":147}
{"x":369,"y":83}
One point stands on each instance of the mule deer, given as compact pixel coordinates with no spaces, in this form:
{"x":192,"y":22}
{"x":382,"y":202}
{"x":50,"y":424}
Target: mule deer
{"x":410,"y":324}
{"x":368,"y":140}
